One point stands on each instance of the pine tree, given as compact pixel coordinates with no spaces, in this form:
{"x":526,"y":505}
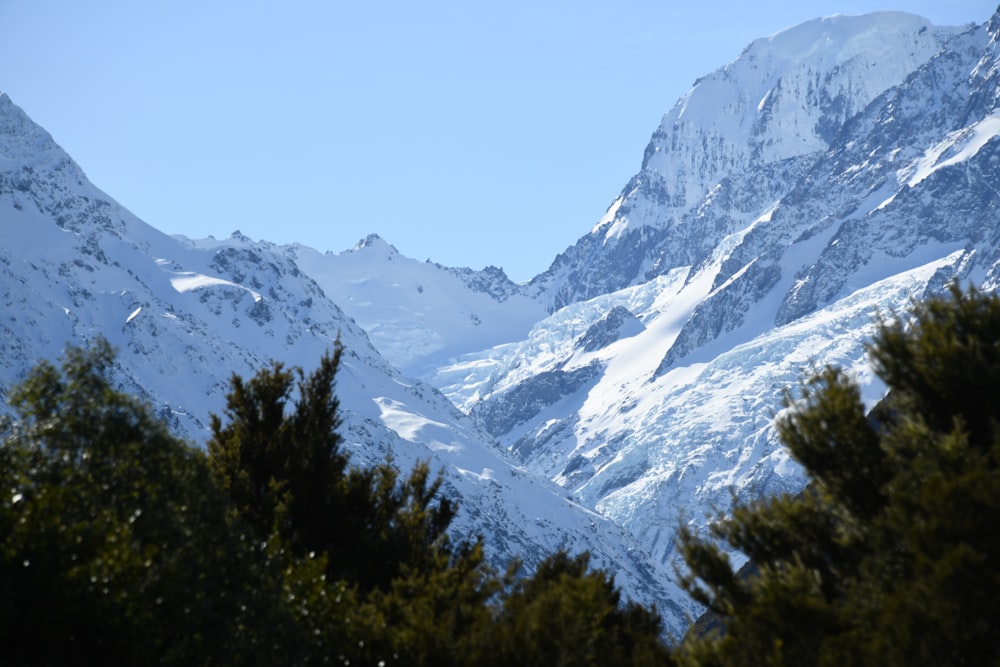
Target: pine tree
{"x":569,"y":614}
{"x":889,"y":556}
{"x":283,"y":468}
{"x":364,"y":549}
{"x":117,"y":547}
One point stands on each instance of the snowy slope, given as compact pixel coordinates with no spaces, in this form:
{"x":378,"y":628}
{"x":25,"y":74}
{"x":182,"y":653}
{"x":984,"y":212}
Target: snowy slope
{"x":420,"y":314}
{"x":830,"y":173}
{"x":185,"y":316}
{"x":737,"y":142}
{"x":761,"y":273}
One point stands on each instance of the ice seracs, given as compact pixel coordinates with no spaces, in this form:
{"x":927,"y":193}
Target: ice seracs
{"x":786,"y":201}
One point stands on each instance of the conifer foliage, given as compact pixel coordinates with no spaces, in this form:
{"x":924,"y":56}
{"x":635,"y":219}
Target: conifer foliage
{"x":568,"y":614}
{"x":116,"y":547}
{"x":283,"y":468}
{"x":360,"y":547}
{"x":889,"y":557}
{"x":120,"y":544}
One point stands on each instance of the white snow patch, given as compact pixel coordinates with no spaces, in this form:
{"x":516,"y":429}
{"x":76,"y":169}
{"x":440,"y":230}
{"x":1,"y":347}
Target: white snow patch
{"x":886,"y":202}
{"x":618,"y":227}
{"x":763,"y":100}
{"x":416,"y":428}
{"x":187,"y":281}
{"x":766,"y":216}
{"x":958,"y":147}
{"x":133,"y":315}
{"x":487,"y":475}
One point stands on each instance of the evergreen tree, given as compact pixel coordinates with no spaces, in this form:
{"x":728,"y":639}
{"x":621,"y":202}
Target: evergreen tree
{"x":265,"y":451}
{"x":123,"y":545}
{"x":367,"y":557}
{"x":283,"y":468}
{"x":435,"y":616}
{"x":889,"y":556}
{"x":370,"y":565}
{"x":116,"y":546}
{"x":568,"y":614}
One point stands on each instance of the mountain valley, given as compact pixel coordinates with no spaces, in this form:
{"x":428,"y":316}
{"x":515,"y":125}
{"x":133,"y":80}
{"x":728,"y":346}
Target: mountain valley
{"x":829,"y":175}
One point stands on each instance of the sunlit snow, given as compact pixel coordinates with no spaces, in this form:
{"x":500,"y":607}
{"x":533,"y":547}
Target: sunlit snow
{"x":774,"y":240}
{"x":957,"y":148}
{"x":187,"y":281}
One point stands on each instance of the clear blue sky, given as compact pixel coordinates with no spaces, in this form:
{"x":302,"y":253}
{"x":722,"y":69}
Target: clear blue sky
{"x":469,"y":133}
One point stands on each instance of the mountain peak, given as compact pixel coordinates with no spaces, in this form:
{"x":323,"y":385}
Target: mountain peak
{"x":375,"y":242}
{"x":777,"y":99}
{"x":839,"y":34}
{"x":755,"y":125}
{"x":20,"y":137}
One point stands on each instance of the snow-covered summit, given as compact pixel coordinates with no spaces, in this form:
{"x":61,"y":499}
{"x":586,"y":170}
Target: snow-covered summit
{"x":186,"y":315}
{"x":755,"y":125}
{"x":830,"y":172}
{"x":419,"y":314}
{"x":20,"y":138}
{"x":376,"y":242}
{"x":788,"y":94}
{"x":753,"y":246}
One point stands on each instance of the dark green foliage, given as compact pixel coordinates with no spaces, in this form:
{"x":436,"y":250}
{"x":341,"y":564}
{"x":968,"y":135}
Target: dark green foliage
{"x":369,"y":562}
{"x":283,"y":468}
{"x":567,"y":614}
{"x":831,"y":436}
{"x":438,"y":615}
{"x":122,"y":545}
{"x":117,"y":547}
{"x":943,"y":363}
{"x":889,"y":557}
{"x":265,"y":452}
{"x":391,"y":526}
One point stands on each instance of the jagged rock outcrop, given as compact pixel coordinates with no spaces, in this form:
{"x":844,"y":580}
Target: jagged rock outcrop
{"x":738,"y":142}
{"x":785,"y":202}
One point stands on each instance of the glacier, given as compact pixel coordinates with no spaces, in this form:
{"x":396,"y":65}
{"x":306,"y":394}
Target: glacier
{"x":784,"y":204}
{"x":826,"y":177}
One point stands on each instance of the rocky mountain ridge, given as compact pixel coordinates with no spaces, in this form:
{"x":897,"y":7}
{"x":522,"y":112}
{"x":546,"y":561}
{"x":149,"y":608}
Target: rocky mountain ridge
{"x":742,"y":135}
{"x":770,"y":257}
{"x":186,"y":315}
{"x":829,"y":174}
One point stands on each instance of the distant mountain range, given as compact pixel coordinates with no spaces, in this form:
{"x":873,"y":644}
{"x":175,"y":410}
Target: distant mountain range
{"x":830,"y":173}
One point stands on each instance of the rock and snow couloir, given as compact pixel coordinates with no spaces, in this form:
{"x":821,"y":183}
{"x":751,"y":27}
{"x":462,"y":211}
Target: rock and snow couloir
{"x":786,"y":201}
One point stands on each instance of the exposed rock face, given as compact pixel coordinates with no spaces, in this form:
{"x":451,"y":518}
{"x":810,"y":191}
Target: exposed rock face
{"x":831,"y":172}
{"x":187,"y":315}
{"x":740,"y":140}
{"x":783,"y":203}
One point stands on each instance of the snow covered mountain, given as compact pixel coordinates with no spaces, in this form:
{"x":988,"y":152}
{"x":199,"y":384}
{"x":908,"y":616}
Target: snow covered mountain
{"x":420,"y":315}
{"x":186,"y":315}
{"x":831,"y":172}
{"x":743,"y":135}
